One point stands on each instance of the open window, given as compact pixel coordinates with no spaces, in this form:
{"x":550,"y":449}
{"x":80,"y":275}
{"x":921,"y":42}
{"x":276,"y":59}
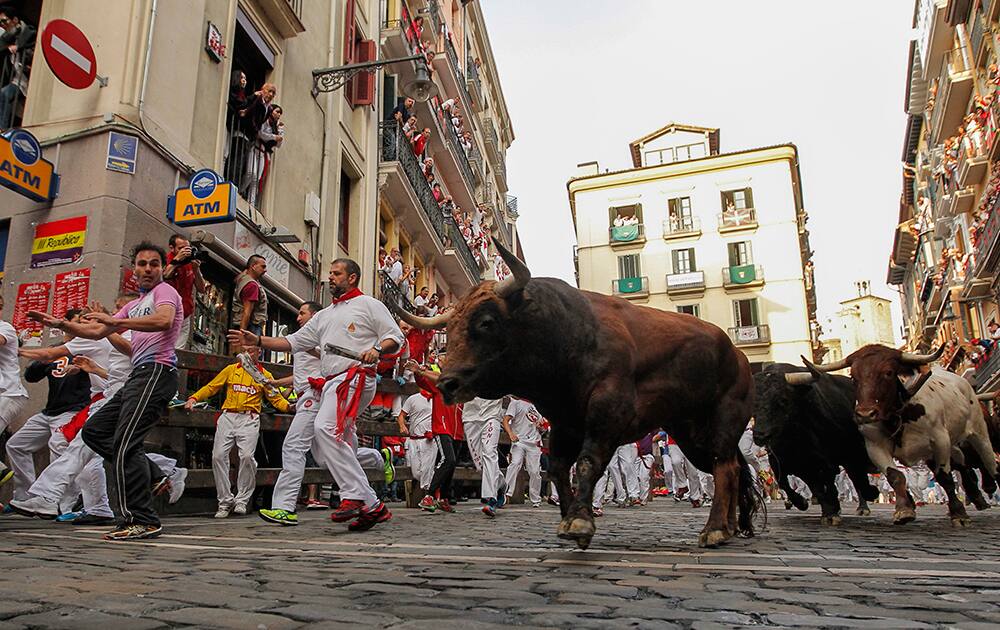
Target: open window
{"x":746,"y":313}
{"x":683,"y":260}
{"x":625,"y":223}
{"x":19,"y":34}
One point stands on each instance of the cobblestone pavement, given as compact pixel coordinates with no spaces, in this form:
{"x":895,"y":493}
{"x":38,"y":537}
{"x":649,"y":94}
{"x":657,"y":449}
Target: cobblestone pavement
{"x":419,"y":570}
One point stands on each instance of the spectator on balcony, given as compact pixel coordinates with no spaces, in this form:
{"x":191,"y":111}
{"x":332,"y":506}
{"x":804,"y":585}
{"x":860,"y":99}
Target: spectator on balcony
{"x":19,"y":39}
{"x":420,"y":302}
{"x":438,"y":193}
{"x":249,"y":298}
{"x":406,"y":281}
{"x":428,"y":169}
{"x":420,"y":143}
{"x":269,"y":138}
{"x":466,"y":142}
{"x":414,"y":30}
{"x":449,"y":105}
{"x":410,"y":127}
{"x":401,"y":113}
{"x":183,"y":273}
{"x":395,"y":264}
{"x":432,"y":305}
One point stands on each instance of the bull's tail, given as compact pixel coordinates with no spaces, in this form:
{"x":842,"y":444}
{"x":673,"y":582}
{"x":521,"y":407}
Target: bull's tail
{"x":750,"y":500}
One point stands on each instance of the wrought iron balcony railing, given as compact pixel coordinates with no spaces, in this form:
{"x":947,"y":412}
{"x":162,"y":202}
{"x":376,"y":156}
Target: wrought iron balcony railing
{"x":754,"y":335}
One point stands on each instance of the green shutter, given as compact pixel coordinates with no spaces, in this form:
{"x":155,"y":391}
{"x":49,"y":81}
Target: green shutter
{"x":676,"y":260}
{"x":693,"y":265}
{"x":754,"y":317}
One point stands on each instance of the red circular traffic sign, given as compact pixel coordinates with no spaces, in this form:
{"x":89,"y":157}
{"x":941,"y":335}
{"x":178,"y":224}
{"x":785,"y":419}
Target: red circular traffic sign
{"x":69,"y":54}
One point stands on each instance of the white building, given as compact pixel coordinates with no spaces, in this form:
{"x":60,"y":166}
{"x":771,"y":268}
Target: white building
{"x":860,"y":321}
{"x":720,"y":236}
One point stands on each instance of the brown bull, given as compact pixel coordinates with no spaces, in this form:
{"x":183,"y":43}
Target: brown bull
{"x":605,"y":372}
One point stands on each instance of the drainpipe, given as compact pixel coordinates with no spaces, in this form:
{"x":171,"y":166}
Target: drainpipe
{"x":145,"y":67}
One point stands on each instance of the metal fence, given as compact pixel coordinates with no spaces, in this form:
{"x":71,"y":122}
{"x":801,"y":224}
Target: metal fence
{"x":247,"y":164}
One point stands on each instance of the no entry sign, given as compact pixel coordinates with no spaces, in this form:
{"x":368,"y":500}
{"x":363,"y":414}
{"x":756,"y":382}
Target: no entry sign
{"x":69,"y":54}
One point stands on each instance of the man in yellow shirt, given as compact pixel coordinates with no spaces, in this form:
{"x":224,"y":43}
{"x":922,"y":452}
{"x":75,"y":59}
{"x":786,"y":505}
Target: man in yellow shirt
{"x":238,"y":425}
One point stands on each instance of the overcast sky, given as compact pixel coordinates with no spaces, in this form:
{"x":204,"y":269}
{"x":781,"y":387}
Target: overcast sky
{"x":583,"y":78}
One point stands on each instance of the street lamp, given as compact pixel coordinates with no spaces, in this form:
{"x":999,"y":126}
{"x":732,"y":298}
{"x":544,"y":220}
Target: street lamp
{"x":419,"y":89}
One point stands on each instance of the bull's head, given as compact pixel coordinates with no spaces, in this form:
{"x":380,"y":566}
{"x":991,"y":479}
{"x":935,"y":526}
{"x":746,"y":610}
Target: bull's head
{"x":479,"y":330}
{"x":774,"y":401}
{"x":879,"y":373}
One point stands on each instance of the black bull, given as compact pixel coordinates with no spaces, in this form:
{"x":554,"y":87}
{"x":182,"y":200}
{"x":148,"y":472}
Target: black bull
{"x":605,"y":372}
{"x":808,"y":428}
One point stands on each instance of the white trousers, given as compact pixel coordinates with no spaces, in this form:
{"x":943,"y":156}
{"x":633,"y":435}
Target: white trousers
{"x":370,"y":458}
{"x":748,"y":450}
{"x":529,"y":456}
{"x":184,"y":334}
{"x":624,"y":474}
{"x":600,"y":487}
{"x":800,"y":486}
{"x":643,"y":470}
{"x":483,"y":438}
{"x":32,"y":437}
{"x":298,"y":442}
{"x":240,"y":430}
{"x":668,"y":471}
{"x":10,"y":408}
{"x":337,"y":448}
{"x":420,"y":455}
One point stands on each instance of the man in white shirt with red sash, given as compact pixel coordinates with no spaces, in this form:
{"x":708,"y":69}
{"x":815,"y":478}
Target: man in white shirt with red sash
{"x":361,"y":325}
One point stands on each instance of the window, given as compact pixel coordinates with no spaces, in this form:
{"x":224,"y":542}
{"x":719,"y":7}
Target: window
{"x":344,"y":224}
{"x":745,"y":312}
{"x":683,"y":260}
{"x":740,"y":254}
{"x":625,"y":215}
{"x":741,"y":199}
{"x":679,"y":210}
{"x":361,"y":89}
{"x":628,"y":266}
{"x":690,"y":309}
{"x":689,"y":152}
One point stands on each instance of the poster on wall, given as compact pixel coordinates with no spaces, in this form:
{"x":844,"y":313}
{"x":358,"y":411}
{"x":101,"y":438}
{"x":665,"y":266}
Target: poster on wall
{"x":72,"y":289}
{"x":31,"y":296}
{"x":277,"y":266}
{"x":129,"y":284}
{"x":58,"y":242}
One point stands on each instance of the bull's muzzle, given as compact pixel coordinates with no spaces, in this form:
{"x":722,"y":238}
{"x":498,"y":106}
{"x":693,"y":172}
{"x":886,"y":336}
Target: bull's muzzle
{"x":866,"y":414}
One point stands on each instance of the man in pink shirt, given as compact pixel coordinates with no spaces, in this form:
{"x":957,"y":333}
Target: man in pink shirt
{"x":117,"y":431}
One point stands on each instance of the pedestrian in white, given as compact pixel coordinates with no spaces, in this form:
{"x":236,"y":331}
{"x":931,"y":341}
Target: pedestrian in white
{"x":521,"y":421}
{"x":624,"y":474}
{"x":363,"y":326}
{"x":749,"y":451}
{"x":13,"y":395}
{"x":482,"y":419}
{"x":415,"y":421}
{"x":300,"y":436}
{"x":644,"y":470}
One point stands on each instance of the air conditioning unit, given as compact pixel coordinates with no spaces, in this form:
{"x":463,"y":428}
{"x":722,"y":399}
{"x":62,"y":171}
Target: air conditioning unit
{"x":312,"y":209}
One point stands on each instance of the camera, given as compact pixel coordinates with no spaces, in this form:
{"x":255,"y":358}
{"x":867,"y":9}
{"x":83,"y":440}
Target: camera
{"x":197,"y":253}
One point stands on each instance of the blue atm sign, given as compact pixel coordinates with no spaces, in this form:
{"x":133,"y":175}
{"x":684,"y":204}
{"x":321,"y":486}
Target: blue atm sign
{"x":207,"y":199}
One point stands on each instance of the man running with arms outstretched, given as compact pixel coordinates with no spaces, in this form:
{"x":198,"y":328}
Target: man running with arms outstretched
{"x":117,"y":431}
{"x":353,"y":323}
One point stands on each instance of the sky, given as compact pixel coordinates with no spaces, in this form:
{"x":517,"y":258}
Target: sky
{"x":583,"y":78}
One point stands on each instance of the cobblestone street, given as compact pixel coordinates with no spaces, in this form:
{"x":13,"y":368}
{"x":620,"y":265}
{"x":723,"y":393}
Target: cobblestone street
{"x":420,"y":570}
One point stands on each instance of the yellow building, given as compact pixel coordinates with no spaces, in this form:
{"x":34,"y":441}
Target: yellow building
{"x":720,"y":236}
{"x":468,"y":161}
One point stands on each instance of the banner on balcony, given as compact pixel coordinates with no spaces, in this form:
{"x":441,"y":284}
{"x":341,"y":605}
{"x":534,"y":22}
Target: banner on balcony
{"x":624,"y":233}
{"x":58,"y":242}
{"x":629,"y":285}
{"x":22,"y":168}
{"x":743,"y":274}
{"x":747,"y":334}
{"x":207,"y":199}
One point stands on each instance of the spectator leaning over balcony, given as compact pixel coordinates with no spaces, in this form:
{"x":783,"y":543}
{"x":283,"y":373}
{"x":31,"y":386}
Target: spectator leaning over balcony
{"x":183,"y":273}
{"x":467,"y":142}
{"x":438,"y":193}
{"x":249,"y":298}
{"x":420,"y":143}
{"x":401,"y":112}
{"x":410,"y":128}
{"x":420,"y":302}
{"x":269,"y":138}
{"x":256,"y":114}
{"x":19,"y":39}
{"x":428,"y":169}
{"x":239,"y":143}
{"x":413,"y":31}
{"x":395,"y":266}
{"x":406,"y":281}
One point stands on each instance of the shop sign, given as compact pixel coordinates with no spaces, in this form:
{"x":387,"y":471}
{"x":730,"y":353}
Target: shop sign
{"x":122,"y":151}
{"x":22,"y":168}
{"x":58,"y":242}
{"x":207,"y":199}
{"x":72,"y":288}
{"x":213,"y":43}
{"x":31,"y":296}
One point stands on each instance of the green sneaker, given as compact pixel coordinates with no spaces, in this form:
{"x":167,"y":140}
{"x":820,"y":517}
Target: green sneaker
{"x":281,"y":517}
{"x":390,"y":470}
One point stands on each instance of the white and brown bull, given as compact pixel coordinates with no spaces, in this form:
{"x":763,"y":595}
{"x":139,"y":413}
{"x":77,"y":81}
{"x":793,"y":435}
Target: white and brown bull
{"x":913,"y":416}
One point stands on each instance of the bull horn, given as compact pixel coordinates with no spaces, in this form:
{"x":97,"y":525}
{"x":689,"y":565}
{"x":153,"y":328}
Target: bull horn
{"x":519,"y":272}
{"x":825,"y":367}
{"x":911,"y":358}
{"x":800,"y":378}
{"x":423,"y":323}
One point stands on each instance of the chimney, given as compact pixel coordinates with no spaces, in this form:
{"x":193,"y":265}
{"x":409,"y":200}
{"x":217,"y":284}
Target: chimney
{"x":587,"y":168}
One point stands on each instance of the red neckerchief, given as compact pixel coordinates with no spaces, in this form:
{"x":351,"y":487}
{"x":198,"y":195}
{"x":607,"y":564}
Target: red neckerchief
{"x":353,"y":293}
{"x":426,"y":394}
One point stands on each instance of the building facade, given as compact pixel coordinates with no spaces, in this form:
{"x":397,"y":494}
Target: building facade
{"x":945,"y":249}
{"x":720,"y":236}
{"x":860,"y":321}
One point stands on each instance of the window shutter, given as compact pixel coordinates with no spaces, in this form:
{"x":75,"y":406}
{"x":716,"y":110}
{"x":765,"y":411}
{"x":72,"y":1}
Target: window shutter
{"x":638,"y":211}
{"x":363,"y":85}
{"x":692,"y":265}
{"x":676,"y":260}
{"x":749,"y":195}
{"x":733,"y":255}
{"x":349,"y":32}
{"x":754,"y":315}
{"x":736,"y":313}
{"x":635,"y":265}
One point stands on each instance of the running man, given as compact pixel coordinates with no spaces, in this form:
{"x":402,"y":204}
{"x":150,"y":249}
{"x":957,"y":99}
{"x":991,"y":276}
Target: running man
{"x":13,"y":395}
{"x":415,"y":422}
{"x":481,"y":419}
{"x":521,"y":422}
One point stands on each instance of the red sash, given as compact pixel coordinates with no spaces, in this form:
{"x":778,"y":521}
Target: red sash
{"x":348,"y":406}
{"x":71,"y":428}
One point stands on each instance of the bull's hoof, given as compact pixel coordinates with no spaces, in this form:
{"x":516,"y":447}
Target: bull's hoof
{"x":788,"y":505}
{"x":713,"y":538}
{"x":578,"y":529}
{"x":902,"y":516}
{"x":833,"y":521}
{"x":981,"y":503}
{"x":863,"y":511}
{"x":960,"y":520}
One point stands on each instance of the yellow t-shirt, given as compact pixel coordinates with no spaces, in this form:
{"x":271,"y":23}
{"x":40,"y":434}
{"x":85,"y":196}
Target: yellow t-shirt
{"x":243,"y":394}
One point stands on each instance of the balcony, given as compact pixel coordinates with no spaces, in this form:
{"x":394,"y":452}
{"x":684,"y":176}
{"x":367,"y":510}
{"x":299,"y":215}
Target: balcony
{"x":494,"y":151}
{"x":742,"y":277}
{"x":973,"y":162}
{"x":410,"y":196}
{"x":245,"y":163}
{"x":686,"y":283}
{"x":631,"y":288}
{"x":980,"y":37}
{"x":675,"y":228}
{"x":755,"y":335}
{"x":987,"y":374}
{"x":625,"y":236}
{"x":960,"y":201}
{"x":452,"y":76}
{"x":954,"y":90}
{"x":398,"y":36}
{"x":471,"y":175}
{"x":474,"y":84}
{"x":737,"y":219}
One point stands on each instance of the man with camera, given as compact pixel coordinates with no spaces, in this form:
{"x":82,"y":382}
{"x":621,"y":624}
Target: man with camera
{"x":183,"y":273}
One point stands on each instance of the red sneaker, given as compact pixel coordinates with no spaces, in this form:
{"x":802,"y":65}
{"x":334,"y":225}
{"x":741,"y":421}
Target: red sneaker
{"x":445,"y":506}
{"x":316,"y":504}
{"x":349,"y":509}
{"x":427,"y":503}
{"x":370,"y":518}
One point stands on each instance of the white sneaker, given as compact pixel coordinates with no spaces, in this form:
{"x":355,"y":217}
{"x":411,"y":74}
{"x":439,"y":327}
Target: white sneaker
{"x":240,"y":510}
{"x":177,"y":484}
{"x":223,"y":511}
{"x":35,"y":506}
{"x":534,"y":505}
